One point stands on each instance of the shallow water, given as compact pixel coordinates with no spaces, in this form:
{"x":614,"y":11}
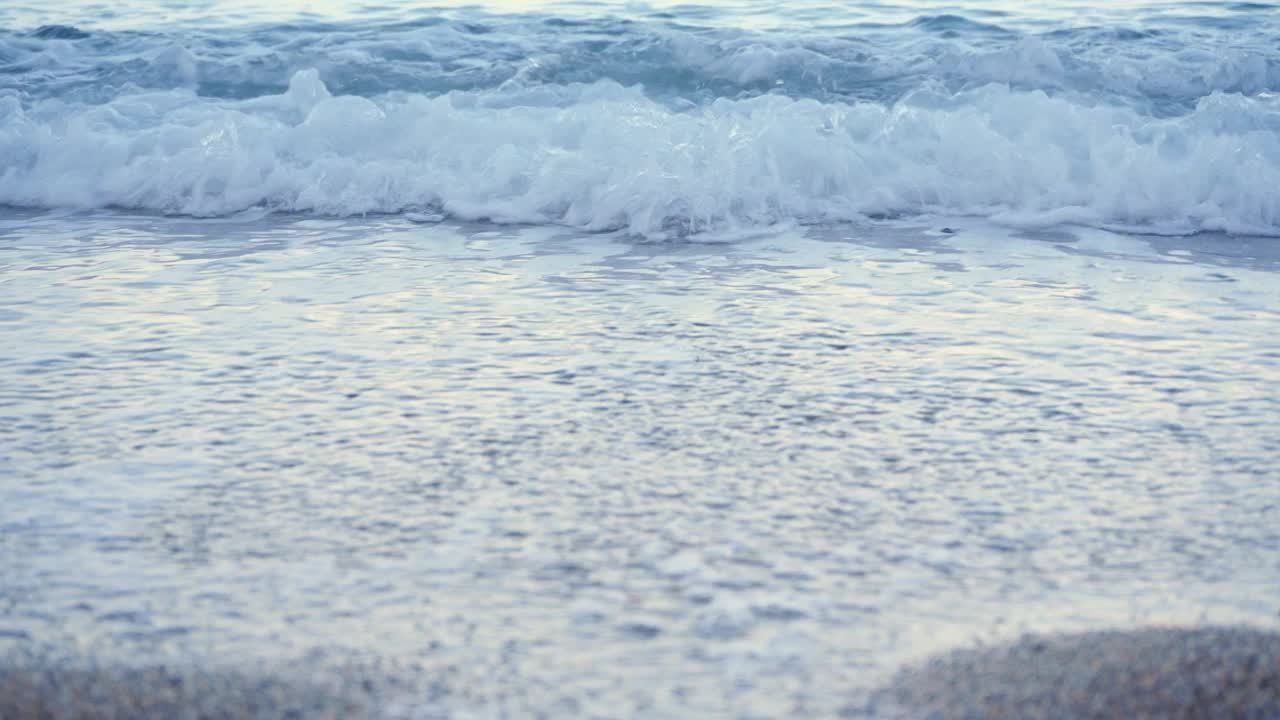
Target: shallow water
{"x":589,"y":473}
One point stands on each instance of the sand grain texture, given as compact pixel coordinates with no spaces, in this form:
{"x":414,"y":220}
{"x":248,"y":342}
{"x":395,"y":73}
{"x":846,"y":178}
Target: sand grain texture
{"x":35,"y":688}
{"x":1211,"y":673}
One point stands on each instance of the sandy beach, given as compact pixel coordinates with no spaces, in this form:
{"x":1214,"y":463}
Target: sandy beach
{"x":1209,"y":673}
{"x":1160,"y":673}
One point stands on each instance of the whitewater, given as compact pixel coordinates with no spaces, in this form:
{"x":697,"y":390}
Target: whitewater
{"x":659,"y":122}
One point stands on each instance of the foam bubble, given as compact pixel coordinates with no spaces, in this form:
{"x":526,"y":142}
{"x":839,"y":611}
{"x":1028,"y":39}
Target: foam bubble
{"x":601,"y":156}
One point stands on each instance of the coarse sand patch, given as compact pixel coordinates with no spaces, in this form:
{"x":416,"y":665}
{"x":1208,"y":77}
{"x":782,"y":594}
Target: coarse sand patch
{"x":38,"y":687}
{"x":1205,"y":673}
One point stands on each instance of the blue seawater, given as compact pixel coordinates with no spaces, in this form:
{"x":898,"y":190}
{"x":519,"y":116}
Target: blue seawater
{"x":658,"y":119}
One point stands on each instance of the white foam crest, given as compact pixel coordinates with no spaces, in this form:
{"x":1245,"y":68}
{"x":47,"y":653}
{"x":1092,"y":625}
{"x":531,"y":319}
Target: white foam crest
{"x":607,"y":157}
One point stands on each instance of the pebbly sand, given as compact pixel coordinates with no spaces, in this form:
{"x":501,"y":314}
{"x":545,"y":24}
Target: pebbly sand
{"x":36,"y":687}
{"x":1209,"y":673}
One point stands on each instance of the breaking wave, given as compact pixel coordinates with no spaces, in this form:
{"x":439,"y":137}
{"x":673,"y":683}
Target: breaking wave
{"x":656,"y":129}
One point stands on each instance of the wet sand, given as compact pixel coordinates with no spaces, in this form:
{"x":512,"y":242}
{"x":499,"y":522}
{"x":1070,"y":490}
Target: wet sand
{"x":38,"y":687}
{"x":1210,"y":673}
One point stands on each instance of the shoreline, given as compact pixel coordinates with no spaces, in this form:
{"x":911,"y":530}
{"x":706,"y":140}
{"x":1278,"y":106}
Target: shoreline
{"x":42,"y":686}
{"x":1171,"y":673}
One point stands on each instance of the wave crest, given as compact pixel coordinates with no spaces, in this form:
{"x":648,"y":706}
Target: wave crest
{"x":601,"y":156}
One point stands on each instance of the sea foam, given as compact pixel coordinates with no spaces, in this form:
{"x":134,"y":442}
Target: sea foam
{"x":603,"y":156}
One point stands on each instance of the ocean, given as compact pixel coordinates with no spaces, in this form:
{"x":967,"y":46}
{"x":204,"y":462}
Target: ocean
{"x":634,"y":359}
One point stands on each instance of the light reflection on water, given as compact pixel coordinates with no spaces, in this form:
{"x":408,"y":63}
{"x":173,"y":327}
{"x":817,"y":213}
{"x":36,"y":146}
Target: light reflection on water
{"x":681,"y":476}
{"x":744,"y":13}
